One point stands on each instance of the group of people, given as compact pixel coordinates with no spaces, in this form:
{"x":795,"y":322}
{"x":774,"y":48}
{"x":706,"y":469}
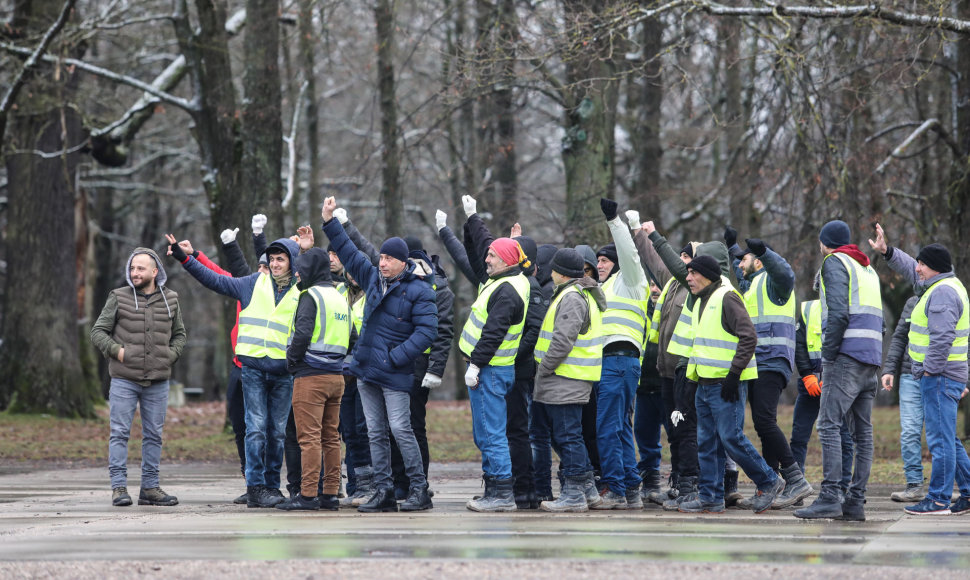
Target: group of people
{"x":586,"y":352}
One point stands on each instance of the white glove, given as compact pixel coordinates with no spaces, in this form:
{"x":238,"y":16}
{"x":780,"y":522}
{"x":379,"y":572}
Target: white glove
{"x":633,"y":218}
{"x":341,"y":215}
{"x":468,"y":202}
{"x":228,"y":236}
{"x":259,"y":222}
{"x":471,"y":377}
{"x":676,"y":417}
{"x":440,"y":218}
{"x":431,"y":381}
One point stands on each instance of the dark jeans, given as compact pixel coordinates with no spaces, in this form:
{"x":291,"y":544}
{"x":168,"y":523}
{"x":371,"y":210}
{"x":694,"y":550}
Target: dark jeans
{"x":850,"y":387}
{"x":540,"y":436}
{"x":353,"y":430}
{"x":566,"y":424}
{"x":236,"y":410}
{"x":803,"y":422}
{"x":517,"y":403}
{"x":763,"y":394}
{"x":589,"y":429}
{"x":684,"y":435}
{"x":647,"y":420}
{"x":419,"y":405}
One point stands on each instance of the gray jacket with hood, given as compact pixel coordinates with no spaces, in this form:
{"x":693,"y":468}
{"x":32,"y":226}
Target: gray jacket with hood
{"x":571,"y":319}
{"x":149,"y":328}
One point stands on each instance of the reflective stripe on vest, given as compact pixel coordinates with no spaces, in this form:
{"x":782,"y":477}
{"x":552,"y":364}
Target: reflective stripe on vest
{"x":624,"y":316}
{"x":331,"y":333}
{"x":472,"y":331}
{"x":264,"y":326}
{"x":714,"y":348}
{"x":919,"y":333}
{"x":863,"y":336}
{"x":812,"y":321}
{"x":655,"y":318}
{"x":682,"y":339}
{"x":357,"y":312}
{"x":774,"y":324}
{"x":585,"y":361}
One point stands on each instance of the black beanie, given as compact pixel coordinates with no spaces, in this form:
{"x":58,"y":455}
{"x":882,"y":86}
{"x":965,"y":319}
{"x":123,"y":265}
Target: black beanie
{"x":569,"y":263}
{"x":688,"y":249}
{"x":707,"y":267}
{"x":414,"y":244}
{"x":835,"y":234}
{"x":937,"y":257}
{"x":609,"y":252}
{"x":395,"y":248}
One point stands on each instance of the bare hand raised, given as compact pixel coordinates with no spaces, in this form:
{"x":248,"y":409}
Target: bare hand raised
{"x":329,"y":205}
{"x":880,"y":244}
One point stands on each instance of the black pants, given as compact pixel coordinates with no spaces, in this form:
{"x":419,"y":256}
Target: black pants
{"x":419,"y":412}
{"x":291,"y":454}
{"x":517,"y":431}
{"x":678,"y":394}
{"x":353,"y":430}
{"x":589,"y":429}
{"x":237,"y":413}
{"x":763,"y":395}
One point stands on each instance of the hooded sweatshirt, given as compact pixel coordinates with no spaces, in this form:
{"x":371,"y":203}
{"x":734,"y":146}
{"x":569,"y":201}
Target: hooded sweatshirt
{"x":148,"y":326}
{"x":571,"y":319}
{"x":314,"y":268}
{"x":241,"y":289}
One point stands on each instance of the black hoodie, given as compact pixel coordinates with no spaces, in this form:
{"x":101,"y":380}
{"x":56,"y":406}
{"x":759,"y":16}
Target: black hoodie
{"x":314,"y":269}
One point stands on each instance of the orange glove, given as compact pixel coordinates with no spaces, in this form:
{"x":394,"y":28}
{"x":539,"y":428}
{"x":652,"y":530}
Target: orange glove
{"x":812,"y":385}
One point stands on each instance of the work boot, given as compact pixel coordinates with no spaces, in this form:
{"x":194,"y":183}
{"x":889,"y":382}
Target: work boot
{"x":417,"y":500}
{"x":120,"y":497}
{"x":155,"y":496}
{"x":572,"y":498}
{"x":502,"y":498}
{"x":674,"y":485}
{"x":365,"y":487}
{"x":593,"y":498}
{"x":913,"y":493}
{"x":299,"y":503}
{"x":612,"y":501}
{"x":381,"y":501}
{"x":825,"y":506}
{"x":633,"y":501}
{"x":244,"y":498}
{"x":687,"y":490}
{"x":696,"y":505}
{"x":796,"y":488}
{"x":274,"y":492}
{"x":650,"y":488}
{"x":527,"y":501}
{"x":731,"y":494}
{"x":853,"y":510}
{"x":329,"y":502}
{"x":764,"y":498}
{"x":260,"y":497}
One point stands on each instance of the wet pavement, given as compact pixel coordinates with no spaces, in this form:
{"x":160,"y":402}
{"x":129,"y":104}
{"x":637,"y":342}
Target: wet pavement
{"x":65,"y":516}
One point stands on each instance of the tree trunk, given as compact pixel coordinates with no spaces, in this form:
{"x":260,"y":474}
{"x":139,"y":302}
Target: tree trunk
{"x":647,"y":100}
{"x":391,"y":194}
{"x":307,"y":44}
{"x":40,"y":362}
{"x":591,"y":96}
{"x":262,"y":124}
{"x":506,"y":176}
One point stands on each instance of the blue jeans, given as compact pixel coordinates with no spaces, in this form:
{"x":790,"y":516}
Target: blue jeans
{"x":647,"y":420}
{"x":566,"y":422}
{"x":540,"y":435}
{"x":388,"y":412}
{"x":850,"y":387}
{"x":911,"y":428}
{"x":803,"y":422}
{"x":123,"y":397}
{"x":268,"y":398}
{"x":941,"y":396}
{"x":614,"y":431}
{"x":720,"y":432}
{"x":489,"y":417}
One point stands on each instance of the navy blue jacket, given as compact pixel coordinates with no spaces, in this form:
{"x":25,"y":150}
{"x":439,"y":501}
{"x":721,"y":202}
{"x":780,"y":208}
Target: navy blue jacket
{"x":399,"y":324}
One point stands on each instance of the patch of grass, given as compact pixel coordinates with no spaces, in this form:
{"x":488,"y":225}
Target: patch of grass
{"x":197,"y":432}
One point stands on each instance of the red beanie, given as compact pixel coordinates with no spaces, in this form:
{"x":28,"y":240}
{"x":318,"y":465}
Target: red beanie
{"x":509,"y":250}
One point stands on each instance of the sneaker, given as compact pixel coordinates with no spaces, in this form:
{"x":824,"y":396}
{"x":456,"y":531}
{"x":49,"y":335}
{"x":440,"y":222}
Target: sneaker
{"x":913,"y":493}
{"x":928,"y":507}
{"x":155,"y":496}
{"x":299,"y":503}
{"x":960,"y":507}
{"x":275,"y":493}
{"x":330,"y":503}
{"x":244,"y":498}
{"x":611,"y":501}
{"x":260,"y":497}
{"x":120,"y":497}
{"x":699,"y":506}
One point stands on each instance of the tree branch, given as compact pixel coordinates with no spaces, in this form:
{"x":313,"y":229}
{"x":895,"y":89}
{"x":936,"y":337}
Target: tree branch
{"x":928,"y":125}
{"x":291,"y":148}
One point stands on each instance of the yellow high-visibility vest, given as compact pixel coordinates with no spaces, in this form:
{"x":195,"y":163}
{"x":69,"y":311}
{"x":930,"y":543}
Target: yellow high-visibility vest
{"x":472,"y":331}
{"x":713,"y":347}
{"x":919,"y":333}
{"x":585,"y":361}
{"x":264,"y":325}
